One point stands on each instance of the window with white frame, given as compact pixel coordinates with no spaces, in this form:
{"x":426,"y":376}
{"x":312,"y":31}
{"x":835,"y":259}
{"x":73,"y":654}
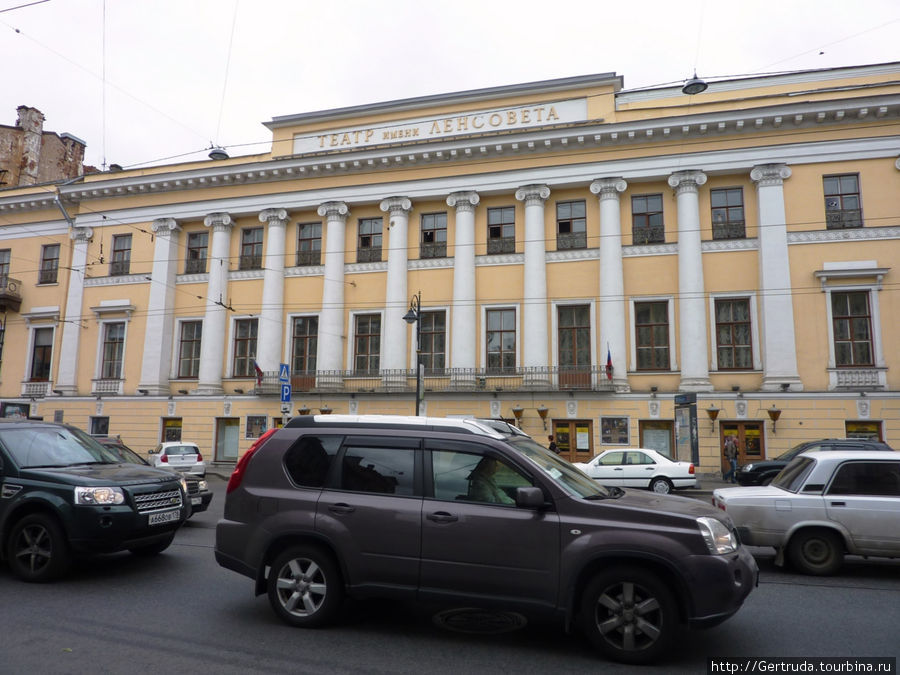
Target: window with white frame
{"x":41,"y":355}
{"x":851,"y":320}
{"x":190,"y":335}
{"x":121,"y":255}
{"x":49,"y":264}
{"x":367,"y":342}
{"x":651,"y":327}
{"x":244,"y":348}
{"x":734,"y":345}
{"x":113,"y":350}
{"x":501,"y":340}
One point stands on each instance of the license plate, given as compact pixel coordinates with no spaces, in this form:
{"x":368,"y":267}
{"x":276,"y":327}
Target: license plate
{"x":164,"y":517}
{"x":196,"y":500}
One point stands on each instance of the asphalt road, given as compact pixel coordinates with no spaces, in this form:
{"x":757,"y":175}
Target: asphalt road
{"x":181,"y":612}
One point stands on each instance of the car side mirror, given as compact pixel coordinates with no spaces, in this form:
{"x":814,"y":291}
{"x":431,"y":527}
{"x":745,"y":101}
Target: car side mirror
{"x":529,"y":497}
{"x":151,"y":452}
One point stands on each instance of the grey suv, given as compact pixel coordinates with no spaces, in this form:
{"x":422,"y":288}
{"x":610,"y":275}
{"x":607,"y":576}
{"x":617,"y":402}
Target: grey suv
{"x":472,"y":513}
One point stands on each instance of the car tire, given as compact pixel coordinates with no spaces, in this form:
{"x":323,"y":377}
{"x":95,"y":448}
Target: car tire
{"x":819,"y":552}
{"x":661,"y":486}
{"x":629,"y":615}
{"x":305,"y":587}
{"x":37,"y":549}
{"x":153,"y":549}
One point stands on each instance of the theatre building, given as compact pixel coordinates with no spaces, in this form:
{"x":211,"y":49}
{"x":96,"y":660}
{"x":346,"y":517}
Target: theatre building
{"x":587,"y":261}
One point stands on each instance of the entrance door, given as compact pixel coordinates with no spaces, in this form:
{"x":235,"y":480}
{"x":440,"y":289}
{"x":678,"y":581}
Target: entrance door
{"x":227,"y":434}
{"x":574,"y":440}
{"x":749,"y":438}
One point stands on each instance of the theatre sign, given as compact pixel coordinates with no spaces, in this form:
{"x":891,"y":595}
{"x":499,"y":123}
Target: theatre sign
{"x":430,"y":128}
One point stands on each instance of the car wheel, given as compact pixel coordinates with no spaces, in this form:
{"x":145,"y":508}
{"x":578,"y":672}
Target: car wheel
{"x":153,"y":549}
{"x":819,"y":552}
{"x":662,"y":486}
{"x":629,"y":615}
{"x":305,"y":587}
{"x":37,"y":550}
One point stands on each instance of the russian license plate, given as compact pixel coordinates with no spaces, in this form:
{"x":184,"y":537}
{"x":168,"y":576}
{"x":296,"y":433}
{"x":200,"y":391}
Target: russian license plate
{"x":164,"y":517}
{"x":195,"y":501}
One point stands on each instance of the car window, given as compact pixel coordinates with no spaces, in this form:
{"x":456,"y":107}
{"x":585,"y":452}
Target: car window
{"x":573,"y":481}
{"x":382,"y":470}
{"x":181,"y":450}
{"x":308,"y":460}
{"x":792,"y":476}
{"x":866,"y":478}
{"x":639,"y":458}
{"x":34,"y":446}
{"x":474,"y":477}
{"x":612,"y":459}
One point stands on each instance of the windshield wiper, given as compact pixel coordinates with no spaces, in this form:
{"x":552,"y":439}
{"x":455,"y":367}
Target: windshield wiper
{"x":92,"y":463}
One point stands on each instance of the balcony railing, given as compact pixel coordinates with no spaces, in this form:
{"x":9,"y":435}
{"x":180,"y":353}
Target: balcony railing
{"x":106,"y":386}
{"x":446,"y":380}
{"x":843,"y":219}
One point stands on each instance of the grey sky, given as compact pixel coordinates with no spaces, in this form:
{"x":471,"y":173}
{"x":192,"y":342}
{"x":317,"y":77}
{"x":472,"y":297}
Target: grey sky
{"x":165,"y":61}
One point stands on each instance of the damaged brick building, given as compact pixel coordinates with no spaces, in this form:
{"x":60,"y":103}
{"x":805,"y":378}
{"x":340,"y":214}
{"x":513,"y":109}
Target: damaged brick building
{"x":31,"y":155}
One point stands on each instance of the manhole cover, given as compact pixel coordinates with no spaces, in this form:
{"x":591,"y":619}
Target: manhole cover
{"x":481,"y":621}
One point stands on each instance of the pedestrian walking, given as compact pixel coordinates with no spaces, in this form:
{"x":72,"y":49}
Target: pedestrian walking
{"x":730,"y":450}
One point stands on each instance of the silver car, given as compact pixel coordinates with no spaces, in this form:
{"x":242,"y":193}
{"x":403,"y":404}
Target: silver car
{"x":181,"y":456}
{"x":822,"y":506}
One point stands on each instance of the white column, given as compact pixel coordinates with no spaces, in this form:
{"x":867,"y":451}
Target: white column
{"x":271,"y":317}
{"x":779,"y":348}
{"x":67,"y":373}
{"x":394,"y":347}
{"x":212,"y":342}
{"x":612,"y":280}
{"x":463,"y":356}
{"x":158,"y":335}
{"x":693,"y":340}
{"x":534,"y":300}
{"x":331,"y":321}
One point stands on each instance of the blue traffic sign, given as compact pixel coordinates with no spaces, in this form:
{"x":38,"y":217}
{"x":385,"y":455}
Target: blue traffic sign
{"x":284,"y":373}
{"x":285,"y":393}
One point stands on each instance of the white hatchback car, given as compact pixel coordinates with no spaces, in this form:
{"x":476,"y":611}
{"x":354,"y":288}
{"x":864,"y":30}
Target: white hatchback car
{"x":640,"y":468}
{"x":181,"y":456}
{"x":821,"y":506}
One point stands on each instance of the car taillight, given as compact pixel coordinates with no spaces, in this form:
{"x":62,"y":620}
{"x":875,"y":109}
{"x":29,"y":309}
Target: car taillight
{"x":163,"y":458}
{"x":691,"y":469}
{"x":199,"y":457}
{"x":238,"y":474}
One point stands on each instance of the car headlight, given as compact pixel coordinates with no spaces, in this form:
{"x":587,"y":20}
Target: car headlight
{"x":719,"y":539}
{"x":203,"y":485}
{"x":99,"y":496}
{"x":747,"y":467}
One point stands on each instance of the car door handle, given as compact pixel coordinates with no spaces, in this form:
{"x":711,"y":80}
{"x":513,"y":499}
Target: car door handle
{"x":839,"y":503}
{"x":618,"y":468}
{"x":442,"y":517}
{"x":341,"y":509}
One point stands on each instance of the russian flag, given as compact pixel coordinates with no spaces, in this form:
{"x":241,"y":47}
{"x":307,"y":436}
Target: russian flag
{"x":608,"y":363}
{"x":259,"y":373}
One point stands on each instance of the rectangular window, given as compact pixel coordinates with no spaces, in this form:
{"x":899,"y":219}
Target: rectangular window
{"x":100,"y":426}
{"x":733,"y":346}
{"x":41,"y":353}
{"x":501,"y":230}
{"x":113,"y":349}
{"x":727,"y":213}
{"x":305,"y":344}
{"x":434,"y":235}
{"x":852,"y":323}
{"x":614,"y":431}
{"x":574,"y":339}
{"x":171,"y":430}
{"x":501,"y":340}
{"x":189,"y":349}
{"x":197,"y":251}
{"x":244,"y":348}
{"x":843,"y":206}
{"x":368,"y":243}
{"x":251,"y":248}
{"x":256,"y":426}
{"x":309,"y":244}
{"x":651,"y":323}
{"x":4,"y":266}
{"x":647,"y":220}
{"x":571,"y":225}
{"x":49,"y":264}
{"x":121,"y":255}
{"x":433,"y":327}
{"x":367,"y":337}
{"x":388,"y":471}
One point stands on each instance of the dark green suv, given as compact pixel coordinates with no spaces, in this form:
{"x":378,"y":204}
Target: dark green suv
{"x":63,"y":494}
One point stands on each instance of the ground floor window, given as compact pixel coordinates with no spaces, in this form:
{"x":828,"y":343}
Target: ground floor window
{"x":868,"y":430}
{"x":171,"y":429}
{"x":100,"y":426}
{"x":657,"y":435}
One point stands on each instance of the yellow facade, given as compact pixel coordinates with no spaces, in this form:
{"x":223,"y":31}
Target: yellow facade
{"x":544,"y":226}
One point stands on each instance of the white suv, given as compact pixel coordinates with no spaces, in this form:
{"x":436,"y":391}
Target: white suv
{"x":181,"y":456}
{"x":821,"y":506}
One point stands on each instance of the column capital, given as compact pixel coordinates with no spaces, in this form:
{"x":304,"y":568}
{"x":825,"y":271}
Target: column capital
{"x":396,"y":206}
{"x":687,"y":181}
{"x":270,"y":215}
{"x":334,"y":210}
{"x":218,"y":221}
{"x":81,"y":235}
{"x":770,"y":174}
{"x":463,"y":201}
{"x":608,"y":188}
{"x":164,"y":226}
{"x":533,"y":195}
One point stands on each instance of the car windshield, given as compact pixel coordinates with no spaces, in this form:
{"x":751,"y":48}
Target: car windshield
{"x":572,"y":480}
{"x":791,"y":477}
{"x":793,"y":452}
{"x":46,"y":446}
{"x":125,"y":454}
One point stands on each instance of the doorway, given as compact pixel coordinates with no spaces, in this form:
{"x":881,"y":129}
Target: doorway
{"x":227,"y":434}
{"x":574,"y":439}
{"x":749,"y":438}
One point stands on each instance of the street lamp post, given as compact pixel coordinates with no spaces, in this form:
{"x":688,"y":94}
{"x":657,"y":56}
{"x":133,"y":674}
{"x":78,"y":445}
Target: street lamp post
{"x":414,"y":316}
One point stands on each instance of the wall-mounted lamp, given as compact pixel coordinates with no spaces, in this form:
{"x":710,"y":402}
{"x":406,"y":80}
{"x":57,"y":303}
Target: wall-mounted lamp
{"x":59,"y":392}
{"x":713,"y":413}
{"x":542,"y":411}
{"x":143,"y":392}
{"x":325,"y":410}
{"x":517,"y":413}
{"x":653,"y":391}
{"x":238,"y":390}
{"x":303,"y":411}
{"x":183,"y":392}
{"x":774,"y":414}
